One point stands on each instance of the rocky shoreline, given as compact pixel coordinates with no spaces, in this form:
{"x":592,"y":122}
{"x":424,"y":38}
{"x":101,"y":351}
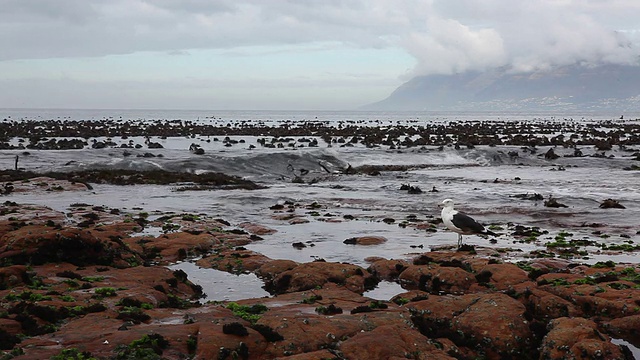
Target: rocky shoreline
{"x":70,"y":134}
{"x":85,"y":284}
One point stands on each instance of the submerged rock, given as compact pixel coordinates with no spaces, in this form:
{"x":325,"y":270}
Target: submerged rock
{"x":611,"y":204}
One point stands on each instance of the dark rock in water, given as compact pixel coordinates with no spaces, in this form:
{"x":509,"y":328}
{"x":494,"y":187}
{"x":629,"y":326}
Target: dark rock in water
{"x":528,"y":231}
{"x":553,"y":203}
{"x":411,"y":189}
{"x":196,"y":149}
{"x":551,"y":155}
{"x":527,"y":196}
{"x":350,"y":241}
{"x":299,"y":245}
{"x":466,"y":247}
{"x":154,"y":145}
{"x":603,"y":145}
{"x":611,"y":204}
{"x":98,"y":145}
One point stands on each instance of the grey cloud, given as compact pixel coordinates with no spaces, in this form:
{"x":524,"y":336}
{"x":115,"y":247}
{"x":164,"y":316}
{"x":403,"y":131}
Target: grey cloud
{"x":444,"y":36}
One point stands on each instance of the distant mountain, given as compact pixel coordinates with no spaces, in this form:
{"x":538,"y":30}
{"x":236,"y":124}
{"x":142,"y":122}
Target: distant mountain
{"x":604,"y":87}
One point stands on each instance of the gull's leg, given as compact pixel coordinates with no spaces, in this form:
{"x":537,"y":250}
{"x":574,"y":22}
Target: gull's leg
{"x":459,"y":240}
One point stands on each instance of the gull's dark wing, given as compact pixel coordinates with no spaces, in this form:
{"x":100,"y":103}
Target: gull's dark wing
{"x":466,"y":223}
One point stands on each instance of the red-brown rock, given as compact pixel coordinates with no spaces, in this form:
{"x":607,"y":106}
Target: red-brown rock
{"x":627,"y":327}
{"x":234,"y":261}
{"x":436,"y":279}
{"x":14,"y":275}
{"x":503,"y":276}
{"x":493,"y":325}
{"x":388,"y":269}
{"x":366,"y":240}
{"x":316,"y":274}
{"x":391,"y":342}
{"x":41,"y":244}
{"x":273,"y":268}
{"x":257,"y":229}
{"x":577,"y":338}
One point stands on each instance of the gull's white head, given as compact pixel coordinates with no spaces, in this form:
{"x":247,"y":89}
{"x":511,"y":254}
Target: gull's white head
{"x":447,"y":203}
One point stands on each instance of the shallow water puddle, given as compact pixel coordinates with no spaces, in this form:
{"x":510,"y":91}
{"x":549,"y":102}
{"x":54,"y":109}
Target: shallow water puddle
{"x":634,"y":350}
{"x":222,"y":286}
{"x":385,"y":291}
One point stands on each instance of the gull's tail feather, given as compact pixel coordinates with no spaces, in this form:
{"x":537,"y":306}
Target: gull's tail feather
{"x":489,"y":232}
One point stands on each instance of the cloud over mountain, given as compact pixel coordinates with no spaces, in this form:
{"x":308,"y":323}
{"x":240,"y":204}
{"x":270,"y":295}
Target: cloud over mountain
{"x":443,"y":36}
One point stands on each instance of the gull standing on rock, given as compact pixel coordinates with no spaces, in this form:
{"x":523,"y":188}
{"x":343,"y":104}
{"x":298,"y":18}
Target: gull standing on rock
{"x":460,"y":222}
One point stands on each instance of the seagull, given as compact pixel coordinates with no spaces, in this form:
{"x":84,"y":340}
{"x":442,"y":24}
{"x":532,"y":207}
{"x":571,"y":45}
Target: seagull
{"x":461,"y":223}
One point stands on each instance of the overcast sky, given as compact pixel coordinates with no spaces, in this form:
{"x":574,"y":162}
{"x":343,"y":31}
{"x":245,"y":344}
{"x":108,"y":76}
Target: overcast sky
{"x":286,"y":54}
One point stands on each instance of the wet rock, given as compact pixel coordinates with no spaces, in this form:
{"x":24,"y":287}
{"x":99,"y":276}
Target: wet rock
{"x":388,"y":269}
{"x":235,"y":328}
{"x":366,"y":240}
{"x":577,"y":338}
{"x":14,"y":275}
{"x":196,"y":149}
{"x":526,"y":231}
{"x":603,"y":145}
{"x":316,"y":274}
{"x":611,"y":204}
{"x":436,"y":279}
{"x":271,"y":269}
{"x":172,"y":247}
{"x":314,"y":355}
{"x":543,"y":305}
{"x":503,"y":276}
{"x":551,"y":155}
{"x":410,"y":296}
{"x":527,"y":196}
{"x":627,"y":327}
{"x":234,"y":261}
{"x":399,"y":341}
{"x":257,"y":229}
{"x":299,"y":245}
{"x":553,"y":203}
{"x":37,"y":245}
{"x":411,"y":189}
{"x":494,"y":325}
{"x":594,"y":292}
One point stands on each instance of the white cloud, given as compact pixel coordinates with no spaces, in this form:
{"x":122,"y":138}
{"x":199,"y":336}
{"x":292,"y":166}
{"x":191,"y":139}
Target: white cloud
{"x":449,"y":46}
{"x":443,"y":36}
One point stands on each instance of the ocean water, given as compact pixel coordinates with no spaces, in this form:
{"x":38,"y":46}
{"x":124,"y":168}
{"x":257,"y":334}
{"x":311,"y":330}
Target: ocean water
{"x":483,"y":181}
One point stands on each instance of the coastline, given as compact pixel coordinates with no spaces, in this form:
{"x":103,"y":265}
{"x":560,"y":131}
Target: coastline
{"x":101,"y":291}
{"x":85,"y":279}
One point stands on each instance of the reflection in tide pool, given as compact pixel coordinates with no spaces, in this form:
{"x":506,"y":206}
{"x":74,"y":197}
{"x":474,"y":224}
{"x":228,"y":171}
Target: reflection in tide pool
{"x":222,"y":286}
{"x":634,"y":350}
{"x":385,"y":291}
